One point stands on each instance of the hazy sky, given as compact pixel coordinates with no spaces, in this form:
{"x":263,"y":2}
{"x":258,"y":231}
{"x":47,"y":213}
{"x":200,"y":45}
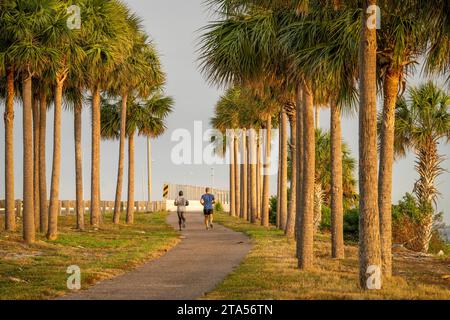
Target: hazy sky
{"x":173,"y":24}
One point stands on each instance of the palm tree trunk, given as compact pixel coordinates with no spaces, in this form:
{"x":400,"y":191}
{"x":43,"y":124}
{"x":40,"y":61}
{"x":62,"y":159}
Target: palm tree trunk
{"x":280,"y":139}
{"x":258,"y":175}
{"x":283,"y":172}
{"x":123,"y":123}
{"x":291,"y":218}
{"x":369,"y":226}
{"x":56,"y":167}
{"x":236,"y":176}
{"x":253,"y":176}
{"x":36,"y":136}
{"x":130,"y":202}
{"x":337,"y":208}
{"x":428,"y":165}
{"x":299,"y":155}
{"x":266,"y":176}
{"x":318,"y":200}
{"x":95,"y":158}
{"x":391,"y":82}
{"x":249,"y":179}
{"x":43,"y":201}
{"x":10,"y":215}
{"x":244,"y":194}
{"x":79,"y":206}
{"x":29,"y":232}
{"x":232,"y":177}
{"x":306,"y":249}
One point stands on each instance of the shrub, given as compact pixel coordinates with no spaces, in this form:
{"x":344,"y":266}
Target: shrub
{"x":351,"y":224}
{"x":325,"y":224}
{"x":218,"y":207}
{"x":273,"y":210}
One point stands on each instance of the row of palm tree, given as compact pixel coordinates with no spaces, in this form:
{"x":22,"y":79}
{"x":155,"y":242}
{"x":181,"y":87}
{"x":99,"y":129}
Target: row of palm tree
{"x":314,"y":53}
{"x":46,"y":61}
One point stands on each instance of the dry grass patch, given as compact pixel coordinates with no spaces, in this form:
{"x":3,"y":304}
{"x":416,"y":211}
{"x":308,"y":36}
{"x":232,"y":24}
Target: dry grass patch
{"x":270,"y":272}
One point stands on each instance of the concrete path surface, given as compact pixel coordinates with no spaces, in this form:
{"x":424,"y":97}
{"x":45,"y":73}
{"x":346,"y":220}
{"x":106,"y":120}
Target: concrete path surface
{"x":195,"y":266}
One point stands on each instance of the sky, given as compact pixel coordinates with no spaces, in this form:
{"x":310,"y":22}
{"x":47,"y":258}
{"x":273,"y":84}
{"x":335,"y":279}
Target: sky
{"x":174,"y":27}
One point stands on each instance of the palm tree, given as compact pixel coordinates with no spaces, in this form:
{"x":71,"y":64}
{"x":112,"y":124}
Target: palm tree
{"x":401,"y":41}
{"x":70,"y":58}
{"x":106,"y":43}
{"x":369,"y":226}
{"x":6,"y":67}
{"x":422,"y":121}
{"x":140,"y":71}
{"x":227,"y":120}
{"x":28,"y":22}
{"x":146,"y":116}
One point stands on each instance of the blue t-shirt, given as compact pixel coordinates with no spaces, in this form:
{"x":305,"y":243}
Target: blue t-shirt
{"x":208,"y":200}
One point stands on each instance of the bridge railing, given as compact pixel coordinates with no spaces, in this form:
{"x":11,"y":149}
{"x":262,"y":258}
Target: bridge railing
{"x":194,"y":193}
{"x":67,"y":207}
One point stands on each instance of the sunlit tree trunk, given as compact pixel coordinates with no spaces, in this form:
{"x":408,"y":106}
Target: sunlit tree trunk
{"x":280,"y":138}
{"x":306,"y":243}
{"x":79,"y":205}
{"x":43,"y":201}
{"x":130,"y":202}
{"x":258,"y":174}
{"x":283,"y":171}
{"x":253,"y":176}
{"x":119,"y":185}
{"x":318,"y":200}
{"x":249,"y":179}
{"x":232,"y":176}
{"x":299,"y":156}
{"x":337,"y":208}
{"x":244,"y":193}
{"x":428,"y":166}
{"x":290,"y":224}
{"x":95,"y":158}
{"x":56,"y":166}
{"x":390,"y":87}
{"x":36,"y":136}
{"x":237,"y":186}
{"x":369,"y":226}
{"x":10,"y":215}
{"x":266,"y":175}
{"x":29,"y":232}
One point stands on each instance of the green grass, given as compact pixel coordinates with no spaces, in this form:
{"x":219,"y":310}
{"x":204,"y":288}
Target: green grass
{"x":39,"y":271}
{"x":270,"y":272}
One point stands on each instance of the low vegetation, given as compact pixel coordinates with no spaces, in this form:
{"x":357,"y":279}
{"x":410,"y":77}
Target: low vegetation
{"x":39,"y":271}
{"x":270,"y":271}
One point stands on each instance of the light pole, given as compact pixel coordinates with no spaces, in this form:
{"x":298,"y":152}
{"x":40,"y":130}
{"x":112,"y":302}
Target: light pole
{"x":149,"y":170}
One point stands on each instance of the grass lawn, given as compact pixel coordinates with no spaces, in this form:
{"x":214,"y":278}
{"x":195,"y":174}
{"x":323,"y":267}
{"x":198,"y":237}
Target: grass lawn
{"x":269,"y":272}
{"x":39,"y":271}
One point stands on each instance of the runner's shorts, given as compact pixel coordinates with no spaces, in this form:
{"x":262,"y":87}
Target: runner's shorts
{"x":207,"y":212}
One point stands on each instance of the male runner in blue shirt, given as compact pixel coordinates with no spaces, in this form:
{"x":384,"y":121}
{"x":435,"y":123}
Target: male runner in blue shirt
{"x":207,"y":202}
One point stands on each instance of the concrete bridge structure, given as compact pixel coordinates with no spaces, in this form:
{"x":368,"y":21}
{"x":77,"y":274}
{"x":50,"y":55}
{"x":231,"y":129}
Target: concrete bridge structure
{"x":193,"y":195}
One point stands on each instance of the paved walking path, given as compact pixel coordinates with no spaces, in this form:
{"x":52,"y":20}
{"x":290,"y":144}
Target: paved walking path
{"x":195,"y":266}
